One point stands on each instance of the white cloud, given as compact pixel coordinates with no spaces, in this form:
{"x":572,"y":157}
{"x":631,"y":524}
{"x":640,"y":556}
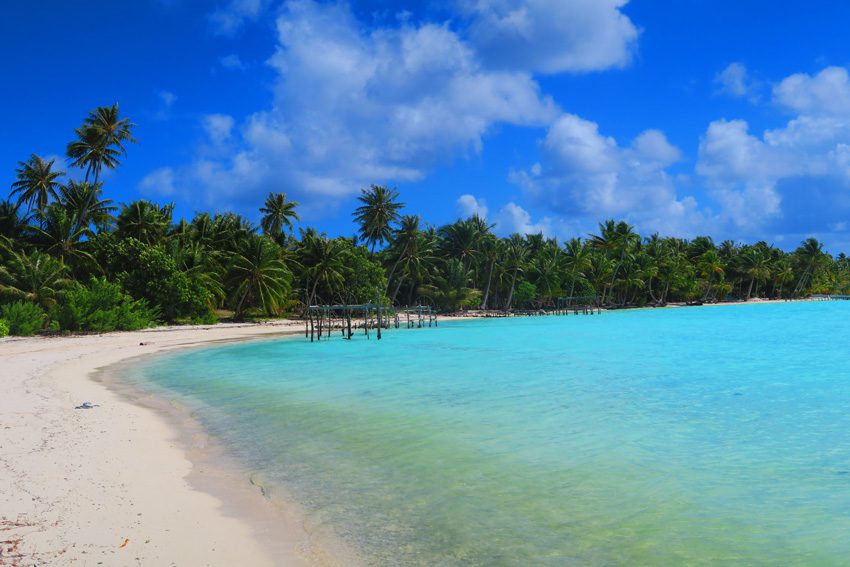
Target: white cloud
{"x":158,"y":183}
{"x":552,"y":36}
{"x":827,"y":93}
{"x":791,"y":178}
{"x":232,"y":62}
{"x":468,"y":205}
{"x":353,"y":107}
{"x":513,"y":218}
{"x":218,"y":127}
{"x":230,"y":18}
{"x":735,"y":81}
{"x":586,"y":176}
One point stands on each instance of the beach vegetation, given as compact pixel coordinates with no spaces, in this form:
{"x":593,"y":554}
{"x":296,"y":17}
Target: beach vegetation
{"x":70,"y":257}
{"x":23,"y":318}
{"x":101,"y":306}
{"x":4,"y":328}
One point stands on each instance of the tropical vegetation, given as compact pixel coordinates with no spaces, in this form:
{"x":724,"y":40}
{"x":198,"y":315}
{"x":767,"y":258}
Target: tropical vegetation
{"x":71,"y":259}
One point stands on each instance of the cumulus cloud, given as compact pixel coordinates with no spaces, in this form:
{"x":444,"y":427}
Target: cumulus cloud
{"x":513,"y":218}
{"x":792,"y":178}
{"x":735,"y":81}
{"x":468,"y":205}
{"x":552,"y":36}
{"x":353,"y":107}
{"x":585,"y":175}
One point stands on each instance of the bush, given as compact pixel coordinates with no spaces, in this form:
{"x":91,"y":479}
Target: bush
{"x":24,"y":318}
{"x":102,"y":307}
{"x":148,"y":272}
{"x":4,"y":328}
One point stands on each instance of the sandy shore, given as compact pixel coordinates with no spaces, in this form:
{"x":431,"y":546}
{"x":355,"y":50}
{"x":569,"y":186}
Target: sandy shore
{"x":114,"y":485}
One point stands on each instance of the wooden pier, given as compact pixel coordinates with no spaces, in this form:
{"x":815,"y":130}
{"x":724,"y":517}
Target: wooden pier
{"x":321,"y":319}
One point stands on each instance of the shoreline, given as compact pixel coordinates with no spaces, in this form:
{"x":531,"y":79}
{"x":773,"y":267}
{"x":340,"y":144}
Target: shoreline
{"x":76,"y":484}
{"x":123,"y":483}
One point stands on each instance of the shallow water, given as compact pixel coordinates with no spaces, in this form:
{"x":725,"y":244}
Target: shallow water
{"x":652,"y":437}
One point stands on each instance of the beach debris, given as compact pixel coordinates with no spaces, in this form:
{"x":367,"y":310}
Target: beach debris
{"x":87,"y":405}
{"x":144,"y":344}
{"x":123,"y":545}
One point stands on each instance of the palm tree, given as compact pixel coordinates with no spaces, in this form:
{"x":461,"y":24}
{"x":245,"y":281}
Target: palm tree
{"x":380,"y":209}
{"x":516,"y":254}
{"x":323,"y":260}
{"x":403,"y":242}
{"x":82,"y":199}
{"x":100,"y":141}
{"x":37,"y":277}
{"x":278,"y":213}
{"x":36,"y":182}
{"x":12,"y":223}
{"x":809,"y":255}
{"x":144,"y":221}
{"x":60,"y":232}
{"x":755,"y":264}
{"x":615,"y":239}
{"x":258,"y":277}
{"x":461,"y":239}
{"x":576,"y":259}
{"x":490,"y":248}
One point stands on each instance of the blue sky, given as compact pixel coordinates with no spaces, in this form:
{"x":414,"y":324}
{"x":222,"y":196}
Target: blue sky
{"x":688,"y":117}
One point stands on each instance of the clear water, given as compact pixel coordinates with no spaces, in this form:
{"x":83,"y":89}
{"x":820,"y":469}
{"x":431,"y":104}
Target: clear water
{"x":658,"y":437}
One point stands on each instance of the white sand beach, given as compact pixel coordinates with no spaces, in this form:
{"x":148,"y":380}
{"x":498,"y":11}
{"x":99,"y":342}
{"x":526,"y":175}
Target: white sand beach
{"x":114,"y":485}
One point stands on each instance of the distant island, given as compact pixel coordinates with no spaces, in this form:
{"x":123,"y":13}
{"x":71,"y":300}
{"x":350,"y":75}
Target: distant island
{"x":71,"y":259}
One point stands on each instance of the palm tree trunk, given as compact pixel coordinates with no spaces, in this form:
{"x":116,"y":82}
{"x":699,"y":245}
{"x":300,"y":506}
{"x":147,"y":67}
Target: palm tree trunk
{"x":511,"y":293}
{"x":397,"y":288}
{"x":750,"y":290}
{"x":489,"y":280}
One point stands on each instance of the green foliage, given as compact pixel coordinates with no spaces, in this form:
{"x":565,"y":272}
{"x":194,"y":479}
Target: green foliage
{"x":525,"y":292}
{"x":4,"y":328}
{"x":102,"y":306}
{"x":148,"y":272}
{"x":24,"y":318}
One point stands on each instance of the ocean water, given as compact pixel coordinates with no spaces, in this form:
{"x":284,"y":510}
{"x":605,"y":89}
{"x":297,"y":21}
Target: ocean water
{"x":645,"y":437}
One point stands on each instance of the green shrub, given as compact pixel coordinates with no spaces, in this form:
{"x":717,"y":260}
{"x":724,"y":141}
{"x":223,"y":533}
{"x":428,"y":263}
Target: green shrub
{"x":102,"y":306}
{"x":148,"y":272}
{"x":24,"y":318}
{"x":4,"y":328}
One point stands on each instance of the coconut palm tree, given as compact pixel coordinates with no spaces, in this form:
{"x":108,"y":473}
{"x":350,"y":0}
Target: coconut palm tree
{"x":516,"y":255}
{"x":278,"y":212}
{"x":60,"y":232}
{"x":36,"y":277}
{"x":322,"y":259}
{"x":377,"y":214}
{"x":12,"y":223}
{"x":36,"y":182}
{"x":144,"y":221}
{"x":82,"y":199}
{"x":576,"y":260}
{"x":100,"y":141}
{"x":809,"y":256}
{"x":258,"y":278}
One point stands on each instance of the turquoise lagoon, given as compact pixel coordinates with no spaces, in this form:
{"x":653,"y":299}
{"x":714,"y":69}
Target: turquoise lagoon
{"x":644,"y":437}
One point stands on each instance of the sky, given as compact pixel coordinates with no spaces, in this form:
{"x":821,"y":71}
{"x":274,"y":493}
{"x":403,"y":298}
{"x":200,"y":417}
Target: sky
{"x":692,"y":117}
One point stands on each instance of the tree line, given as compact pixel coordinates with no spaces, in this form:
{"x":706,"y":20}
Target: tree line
{"x":72,"y":259}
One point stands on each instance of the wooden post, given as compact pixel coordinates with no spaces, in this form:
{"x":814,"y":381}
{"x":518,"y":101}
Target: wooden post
{"x":378,"y":313}
{"x":349,"y":324}
{"x":311,"y":324}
